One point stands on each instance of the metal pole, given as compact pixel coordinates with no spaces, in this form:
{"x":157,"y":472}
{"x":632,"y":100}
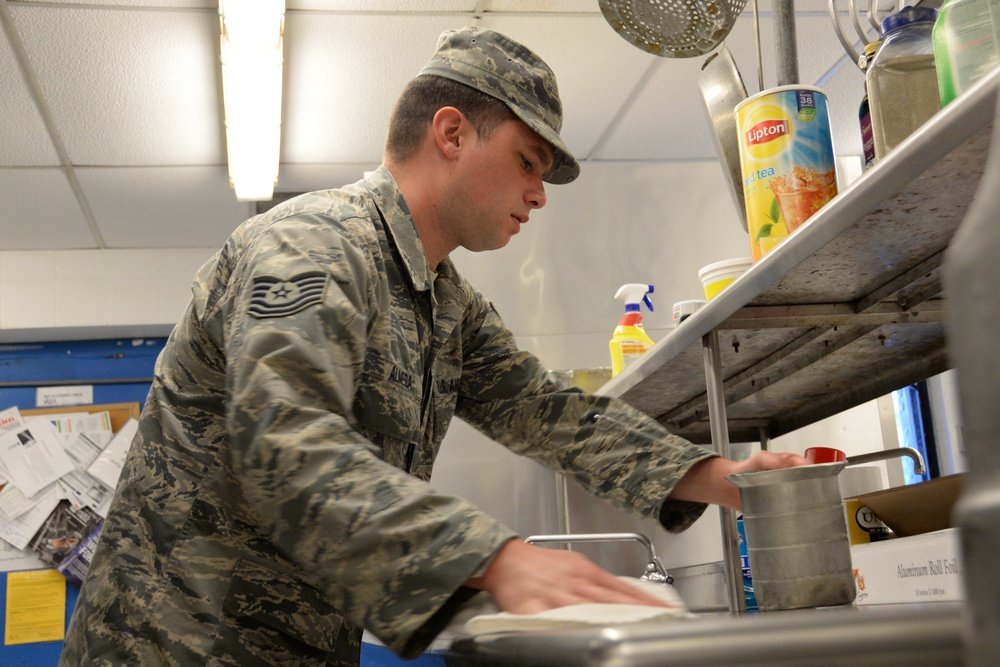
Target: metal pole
{"x":764,"y":438}
{"x":731,"y":566}
{"x":756,"y":33}
{"x":785,"y":49}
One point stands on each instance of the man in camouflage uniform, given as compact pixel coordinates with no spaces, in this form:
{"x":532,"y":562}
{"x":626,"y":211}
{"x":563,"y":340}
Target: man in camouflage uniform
{"x":275,"y":498}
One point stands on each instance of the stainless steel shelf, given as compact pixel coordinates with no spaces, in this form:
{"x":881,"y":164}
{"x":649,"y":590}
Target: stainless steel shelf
{"x":846,"y":310}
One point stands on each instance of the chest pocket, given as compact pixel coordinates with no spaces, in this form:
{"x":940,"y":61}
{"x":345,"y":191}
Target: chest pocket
{"x":387,"y":405}
{"x":445,"y":395}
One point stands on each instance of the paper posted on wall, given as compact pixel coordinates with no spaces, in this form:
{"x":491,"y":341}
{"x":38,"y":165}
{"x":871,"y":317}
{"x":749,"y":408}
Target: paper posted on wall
{"x":12,"y":558}
{"x":57,"y":478}
{"x":20,"y":530}
{"x":14,"y":504}
{"x":81,"y":488}
{"x":33,"y":456}
{"x":107,"y":467}
{"x":66,"y":423}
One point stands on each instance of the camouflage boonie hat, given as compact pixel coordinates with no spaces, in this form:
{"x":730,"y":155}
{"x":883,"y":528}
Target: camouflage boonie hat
{"x":500,"y":67}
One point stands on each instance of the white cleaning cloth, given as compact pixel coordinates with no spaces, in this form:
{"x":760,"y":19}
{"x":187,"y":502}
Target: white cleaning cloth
{"x":585,"y":614}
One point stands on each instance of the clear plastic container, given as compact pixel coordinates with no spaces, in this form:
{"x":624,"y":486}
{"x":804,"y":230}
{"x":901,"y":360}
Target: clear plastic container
{"x":966,"y":44}
{"x":902,"y":79}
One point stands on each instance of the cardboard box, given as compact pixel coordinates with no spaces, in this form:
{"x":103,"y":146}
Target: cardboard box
{"x":917,"y":508}
{"x":921,"y":568}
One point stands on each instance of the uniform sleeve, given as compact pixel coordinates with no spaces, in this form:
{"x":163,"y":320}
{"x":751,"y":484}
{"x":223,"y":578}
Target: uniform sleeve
{"x":610,"y":448}
{"x":388,"y":550}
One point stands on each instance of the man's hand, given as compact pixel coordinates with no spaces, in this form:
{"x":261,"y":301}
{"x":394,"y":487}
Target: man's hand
{"x":525,"y":579}
{"x":706,"y":481}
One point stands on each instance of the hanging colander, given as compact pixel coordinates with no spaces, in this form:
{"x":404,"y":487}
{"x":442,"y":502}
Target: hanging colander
{"x":673,"y":28}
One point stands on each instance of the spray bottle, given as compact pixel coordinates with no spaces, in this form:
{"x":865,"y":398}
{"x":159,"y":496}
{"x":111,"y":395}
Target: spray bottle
{"x":630,"y":341}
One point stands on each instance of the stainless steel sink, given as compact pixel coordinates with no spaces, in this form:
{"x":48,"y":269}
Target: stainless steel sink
{"x":907,"y":634}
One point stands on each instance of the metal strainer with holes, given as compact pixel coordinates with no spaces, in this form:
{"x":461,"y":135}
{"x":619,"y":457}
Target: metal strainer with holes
{"x":673,"y":28}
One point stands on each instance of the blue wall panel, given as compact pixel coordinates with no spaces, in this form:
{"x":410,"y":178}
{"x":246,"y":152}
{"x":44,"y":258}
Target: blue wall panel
{"x":120,"y":370}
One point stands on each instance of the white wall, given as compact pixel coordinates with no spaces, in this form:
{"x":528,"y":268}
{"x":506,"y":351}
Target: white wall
{"x":73,"y":294}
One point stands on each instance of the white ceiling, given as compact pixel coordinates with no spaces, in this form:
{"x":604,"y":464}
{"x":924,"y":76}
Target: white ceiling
{"x":113,"y":127}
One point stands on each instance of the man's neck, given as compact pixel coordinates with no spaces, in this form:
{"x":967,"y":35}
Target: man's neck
{"x":418,"y":190}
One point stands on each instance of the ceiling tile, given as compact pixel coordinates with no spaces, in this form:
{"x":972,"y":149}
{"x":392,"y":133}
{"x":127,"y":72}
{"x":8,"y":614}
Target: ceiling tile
{"x":539,"y":6}
{"x":344,"y":73}
{"x":163,"y":207}
{"x":666,"y":121}
{"x":128,"y":87}
{"x":384,"y":6}
{"x":24,"y":141}
{"x":818,"y":49}
{"x":136,"y":4}
{"x":40,"y":212}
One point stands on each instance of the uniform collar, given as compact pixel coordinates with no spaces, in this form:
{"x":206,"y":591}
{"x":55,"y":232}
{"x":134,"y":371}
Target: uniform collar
{"x":389,"y":200}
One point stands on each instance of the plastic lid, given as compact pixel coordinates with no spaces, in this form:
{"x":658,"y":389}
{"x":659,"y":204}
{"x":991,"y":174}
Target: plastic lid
{"x":737,"y":263}
{"x":777,"y":89}
{"x":908,"y":15}
{"x":871,"y":48}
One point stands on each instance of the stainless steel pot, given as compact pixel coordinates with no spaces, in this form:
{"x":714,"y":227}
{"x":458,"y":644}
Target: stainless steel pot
{"x":797,"y":540}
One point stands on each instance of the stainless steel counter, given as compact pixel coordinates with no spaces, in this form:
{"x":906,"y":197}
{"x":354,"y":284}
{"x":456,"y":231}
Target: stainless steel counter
{"x":911,"y":635}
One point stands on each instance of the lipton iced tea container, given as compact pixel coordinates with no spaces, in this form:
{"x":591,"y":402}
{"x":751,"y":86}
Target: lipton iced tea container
{"x":786,"y":158}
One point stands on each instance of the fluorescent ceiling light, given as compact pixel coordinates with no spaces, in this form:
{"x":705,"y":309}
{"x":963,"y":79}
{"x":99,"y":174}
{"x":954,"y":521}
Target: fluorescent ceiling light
{"x":252,"y":32}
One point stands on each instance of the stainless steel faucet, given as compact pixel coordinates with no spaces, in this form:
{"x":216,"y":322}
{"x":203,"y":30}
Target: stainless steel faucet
{"x":655,"y":571}
{"x":918,"y":460}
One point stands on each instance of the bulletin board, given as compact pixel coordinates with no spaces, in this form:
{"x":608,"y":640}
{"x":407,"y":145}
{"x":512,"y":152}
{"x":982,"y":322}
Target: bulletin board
{"x":119,"y":372}
{"x":46,"y":654}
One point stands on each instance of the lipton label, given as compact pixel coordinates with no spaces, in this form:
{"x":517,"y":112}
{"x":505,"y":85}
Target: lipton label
{"x":766,"y":130}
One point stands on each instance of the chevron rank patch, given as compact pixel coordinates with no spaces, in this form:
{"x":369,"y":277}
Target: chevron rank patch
{"x":274,"y":297}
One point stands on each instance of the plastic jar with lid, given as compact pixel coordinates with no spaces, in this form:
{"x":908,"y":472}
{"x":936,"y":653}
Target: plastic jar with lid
{"x":902,"y":79}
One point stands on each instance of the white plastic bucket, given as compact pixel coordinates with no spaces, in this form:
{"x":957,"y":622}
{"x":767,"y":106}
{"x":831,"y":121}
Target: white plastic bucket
{"x":715,"y":277}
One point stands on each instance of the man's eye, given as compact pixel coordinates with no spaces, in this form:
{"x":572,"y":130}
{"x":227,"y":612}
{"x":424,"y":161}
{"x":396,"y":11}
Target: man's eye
{"x":526,"y":163}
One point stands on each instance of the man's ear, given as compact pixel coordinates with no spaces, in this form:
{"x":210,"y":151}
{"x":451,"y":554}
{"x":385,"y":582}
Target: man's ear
{"x":451,"y":130}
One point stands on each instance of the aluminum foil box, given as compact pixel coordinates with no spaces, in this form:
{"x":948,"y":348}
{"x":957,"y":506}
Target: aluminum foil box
{"x":921,"y":568}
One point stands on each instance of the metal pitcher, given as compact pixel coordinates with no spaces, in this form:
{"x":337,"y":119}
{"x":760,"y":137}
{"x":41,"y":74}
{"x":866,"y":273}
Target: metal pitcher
{"x":797,"y":539}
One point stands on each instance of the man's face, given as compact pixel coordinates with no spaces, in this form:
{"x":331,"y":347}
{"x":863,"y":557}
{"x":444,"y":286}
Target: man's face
{"x":497,"y":184}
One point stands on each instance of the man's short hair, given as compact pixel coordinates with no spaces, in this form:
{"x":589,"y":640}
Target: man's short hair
{"x":423,"y":97}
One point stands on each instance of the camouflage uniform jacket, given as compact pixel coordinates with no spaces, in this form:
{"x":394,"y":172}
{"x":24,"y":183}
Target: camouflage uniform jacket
{"x":280,"y":469}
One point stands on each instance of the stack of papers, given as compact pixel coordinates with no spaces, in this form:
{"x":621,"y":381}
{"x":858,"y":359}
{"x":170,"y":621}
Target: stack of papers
{"x":57,"y":479}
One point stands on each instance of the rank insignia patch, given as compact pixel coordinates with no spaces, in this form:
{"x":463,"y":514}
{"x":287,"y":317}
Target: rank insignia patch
{"x":274,"y":297}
